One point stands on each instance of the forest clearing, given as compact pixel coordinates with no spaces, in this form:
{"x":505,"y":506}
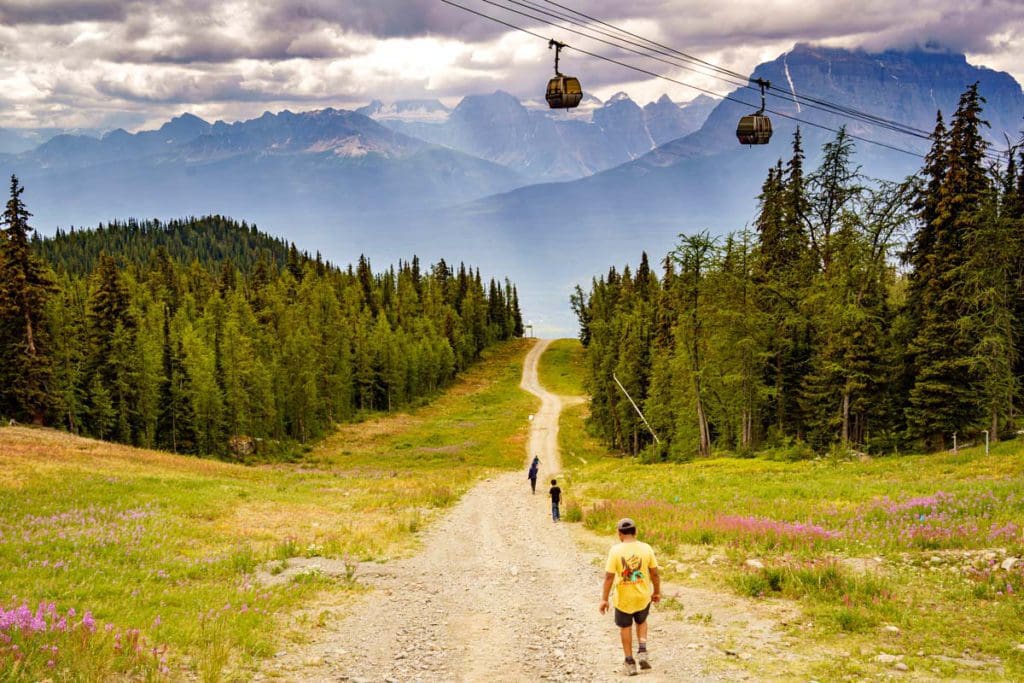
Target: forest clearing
{"x":817,"y":569}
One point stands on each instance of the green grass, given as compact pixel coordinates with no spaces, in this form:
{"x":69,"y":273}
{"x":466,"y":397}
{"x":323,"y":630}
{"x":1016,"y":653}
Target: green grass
{"x":561,"y":368}
{"x":859,"y":545}
{"x":171,"y":545}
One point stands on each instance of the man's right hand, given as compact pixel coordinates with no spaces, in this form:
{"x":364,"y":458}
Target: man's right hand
{"x":603,"y":607}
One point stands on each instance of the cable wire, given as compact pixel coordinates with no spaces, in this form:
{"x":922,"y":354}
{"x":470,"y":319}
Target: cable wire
{"x":585,"y":35}
{"x":730,"y":76}
{"x":776,"y":91}
{"x":654,"y":74}
{"x":843,"y":112}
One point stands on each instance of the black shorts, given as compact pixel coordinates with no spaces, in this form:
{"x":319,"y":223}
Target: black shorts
{"x":626,"y":619}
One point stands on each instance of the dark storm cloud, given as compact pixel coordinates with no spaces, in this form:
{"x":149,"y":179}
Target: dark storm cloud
{"x":56,"y":12}
{"x":213,"y":48}
{"x":383,"y":18}
{"x":90,"y":60}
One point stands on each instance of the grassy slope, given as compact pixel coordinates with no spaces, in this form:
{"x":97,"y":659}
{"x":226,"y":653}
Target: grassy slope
{"x":818,"y":527}
{"x":136,"y":535}
{"x":561,"y":368}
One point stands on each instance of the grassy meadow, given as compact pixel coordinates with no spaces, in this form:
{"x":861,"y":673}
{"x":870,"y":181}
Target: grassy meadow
{"x":561,"y":368}
{"x":120,"y":562}
{"x":899,"y":563}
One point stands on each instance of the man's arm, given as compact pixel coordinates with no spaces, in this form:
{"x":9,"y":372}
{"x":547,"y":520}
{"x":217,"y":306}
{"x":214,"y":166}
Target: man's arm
{"x":609,"y":578}
{"x":656,"y":580}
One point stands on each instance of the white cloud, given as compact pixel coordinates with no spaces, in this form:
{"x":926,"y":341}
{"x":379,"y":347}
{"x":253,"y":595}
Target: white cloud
{"x":110,"y":62}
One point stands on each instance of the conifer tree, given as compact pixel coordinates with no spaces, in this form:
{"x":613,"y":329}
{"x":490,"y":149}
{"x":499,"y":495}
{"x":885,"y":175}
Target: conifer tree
{"x":112,"y":359}
{"x":1013,"y":216}
{"x":517,"y":315}
{"x":738,"y":342}
{"x":945,"y":396}
{"x":179,"y":429}
{"x":578,"y":301}
{"x":781,"y":272}
{"x":832,"y":191}
{"x":695,"y":255}
{"x":26,"y":371}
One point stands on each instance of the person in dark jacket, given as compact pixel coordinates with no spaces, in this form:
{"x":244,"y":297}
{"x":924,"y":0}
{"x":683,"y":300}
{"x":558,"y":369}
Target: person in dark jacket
{"x":532,"y":474}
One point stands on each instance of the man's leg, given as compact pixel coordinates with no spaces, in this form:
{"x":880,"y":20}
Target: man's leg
{"x":625,"y":624}
{"x":641,"y":633}
{"x":641,"y":636}
{"x":626,"y":634}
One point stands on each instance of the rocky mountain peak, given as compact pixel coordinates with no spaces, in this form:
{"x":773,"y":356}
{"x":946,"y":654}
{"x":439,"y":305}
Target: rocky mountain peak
{"x":183,"y":128}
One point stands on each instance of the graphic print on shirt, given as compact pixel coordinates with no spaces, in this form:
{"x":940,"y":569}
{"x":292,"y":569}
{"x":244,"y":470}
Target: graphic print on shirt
{"x":631,"y":570}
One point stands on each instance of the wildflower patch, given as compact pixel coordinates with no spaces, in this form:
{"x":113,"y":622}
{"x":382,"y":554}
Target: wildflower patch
{"x":46,"y":643}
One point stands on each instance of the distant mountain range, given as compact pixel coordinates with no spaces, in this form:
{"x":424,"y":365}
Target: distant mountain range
{"x":316,"y":168}
{"x":542,"y":144}
{"x":478,"y":180}
{"x":18,"y":140}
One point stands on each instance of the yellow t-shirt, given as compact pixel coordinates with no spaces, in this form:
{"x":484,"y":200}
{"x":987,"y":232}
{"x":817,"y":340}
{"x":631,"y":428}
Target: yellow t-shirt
{"x":631,"y":563}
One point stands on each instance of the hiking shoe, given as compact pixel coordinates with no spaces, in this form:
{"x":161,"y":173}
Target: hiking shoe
{"x":641,"y":658}
{"x":629,"y":669}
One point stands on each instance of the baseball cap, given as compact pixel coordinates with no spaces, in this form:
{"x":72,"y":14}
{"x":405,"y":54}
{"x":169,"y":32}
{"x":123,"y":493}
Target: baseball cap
{"x":626,"y":525}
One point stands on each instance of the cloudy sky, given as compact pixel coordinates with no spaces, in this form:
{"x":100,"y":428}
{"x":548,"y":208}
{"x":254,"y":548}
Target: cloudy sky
{"x":135,"y":63}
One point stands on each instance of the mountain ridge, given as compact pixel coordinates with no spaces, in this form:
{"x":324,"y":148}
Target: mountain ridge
{"x":375,"y":189}
{"x":553,"y":145}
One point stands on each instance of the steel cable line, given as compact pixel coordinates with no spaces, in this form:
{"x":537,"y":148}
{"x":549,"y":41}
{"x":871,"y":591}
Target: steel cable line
{"x":736,"y":80}
{"x":831,"y":108}
{"x":654,"y":74}
{"x":993,"y":154}
{"x":776,"y":91}
{"x":888,"y":126}
{"x":860,"y":116}
{"x":692,"y":58}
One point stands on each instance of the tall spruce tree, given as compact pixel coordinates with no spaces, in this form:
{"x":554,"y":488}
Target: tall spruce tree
{"x":945,"y":397}
{"x":112,"y":349}
{"x":695,"y":255}
{"x":782,"y":272}
{"x":26,"y":371}
{"x":1013,"y":215}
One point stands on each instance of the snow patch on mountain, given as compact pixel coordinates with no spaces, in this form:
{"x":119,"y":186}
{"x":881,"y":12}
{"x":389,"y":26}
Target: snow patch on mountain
{"x":426,"y":111}
{"x":789,"y":79}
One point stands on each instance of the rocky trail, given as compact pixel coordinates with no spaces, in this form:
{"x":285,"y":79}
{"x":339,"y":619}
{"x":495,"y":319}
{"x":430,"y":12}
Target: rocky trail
{"x":502,"y":593}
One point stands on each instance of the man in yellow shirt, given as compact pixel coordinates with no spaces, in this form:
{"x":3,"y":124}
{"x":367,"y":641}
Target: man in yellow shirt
{"x":633,"y":571}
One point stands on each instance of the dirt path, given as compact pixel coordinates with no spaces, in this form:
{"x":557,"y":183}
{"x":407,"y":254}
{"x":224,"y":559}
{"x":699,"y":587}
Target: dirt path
{"x":501,"y":593}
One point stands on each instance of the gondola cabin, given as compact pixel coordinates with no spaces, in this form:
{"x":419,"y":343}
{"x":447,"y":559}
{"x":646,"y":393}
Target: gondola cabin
{"x":754,"y":129}
{"x":564,"y":92}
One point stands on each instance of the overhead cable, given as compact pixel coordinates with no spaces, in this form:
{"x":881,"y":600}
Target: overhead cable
{"x":654,"y":74}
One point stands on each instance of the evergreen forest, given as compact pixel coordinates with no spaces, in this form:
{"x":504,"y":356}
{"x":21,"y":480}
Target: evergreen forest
{"x":857,"y":315}
{"x":207,"y":336}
